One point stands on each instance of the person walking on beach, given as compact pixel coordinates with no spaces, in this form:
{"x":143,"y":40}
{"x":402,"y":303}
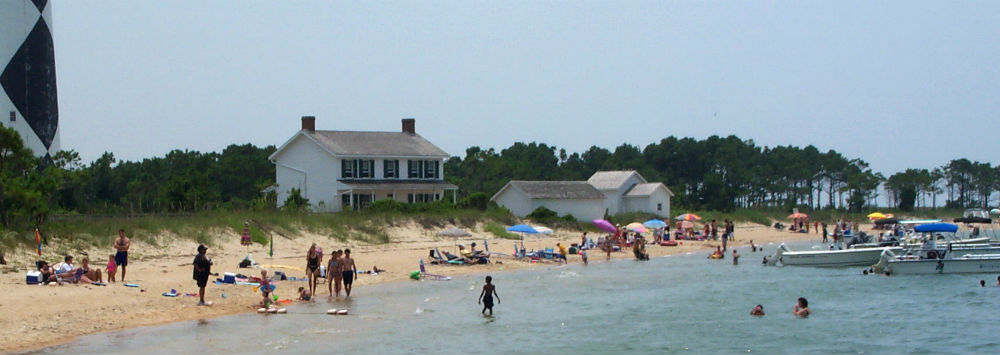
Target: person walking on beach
{"x":583,"y":254}
{"x":802,"y":308}
{"x":486,"y":297}
{"x":562,"y":252}
{"x":313,"y":259}
{"x":824,"y":232}
{"x":715,"y":230}
{"x":350,"y":270}
{"x":202,"y":268}
{"x":122,"y":243}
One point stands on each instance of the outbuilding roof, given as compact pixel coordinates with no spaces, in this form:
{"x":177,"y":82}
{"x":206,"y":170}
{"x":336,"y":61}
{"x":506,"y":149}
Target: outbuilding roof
{"x":610,"y":180}
{"x":643,"y":190}
{"x":556,"y":189}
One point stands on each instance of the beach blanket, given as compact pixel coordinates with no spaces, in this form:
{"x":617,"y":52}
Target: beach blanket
{"x":276,"y":266}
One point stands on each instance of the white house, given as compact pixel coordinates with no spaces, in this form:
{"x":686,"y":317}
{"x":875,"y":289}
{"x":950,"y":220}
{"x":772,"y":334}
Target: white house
{"x":610,"y":192}
{"x":351,"y":169}
{"x":577,"y":198}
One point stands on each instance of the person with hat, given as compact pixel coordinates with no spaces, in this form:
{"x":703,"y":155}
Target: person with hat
{"x":202,"y":269}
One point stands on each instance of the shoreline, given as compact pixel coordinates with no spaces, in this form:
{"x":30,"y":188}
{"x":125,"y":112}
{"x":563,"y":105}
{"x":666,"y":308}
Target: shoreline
{"x":26,"y":329}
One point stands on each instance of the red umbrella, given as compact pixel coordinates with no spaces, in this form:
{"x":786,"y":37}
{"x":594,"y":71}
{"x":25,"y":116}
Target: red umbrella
{"x":605,"y":225}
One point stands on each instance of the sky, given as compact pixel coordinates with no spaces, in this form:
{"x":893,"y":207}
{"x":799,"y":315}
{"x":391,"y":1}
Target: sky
{"x":899,"y":84}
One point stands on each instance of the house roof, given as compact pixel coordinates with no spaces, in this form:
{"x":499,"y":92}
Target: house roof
{"x":643,"y":190}
{"x":376,"y":143}
{"x":610,"y":180}
{"x":555,"y":190}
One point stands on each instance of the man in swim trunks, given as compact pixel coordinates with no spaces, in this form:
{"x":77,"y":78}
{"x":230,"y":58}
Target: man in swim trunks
{"x":350,"y":270}
{"x":122,"y":243}
{"x":486,"y":297}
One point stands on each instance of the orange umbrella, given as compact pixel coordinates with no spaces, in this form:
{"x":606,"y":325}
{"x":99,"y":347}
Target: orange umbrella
{"x":688,"y":217}
{"x":798,"y":215}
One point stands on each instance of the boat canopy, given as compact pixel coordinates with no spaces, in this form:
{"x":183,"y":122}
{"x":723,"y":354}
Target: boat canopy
{"x":936,"y":227}
{"x":920,"y":221}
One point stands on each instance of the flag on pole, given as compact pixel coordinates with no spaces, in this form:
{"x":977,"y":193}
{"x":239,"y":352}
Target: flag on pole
{"x":38,"y":242}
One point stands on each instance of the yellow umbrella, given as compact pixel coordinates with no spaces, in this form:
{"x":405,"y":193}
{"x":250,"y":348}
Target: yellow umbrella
{"x":636,"y":227}
{"x":876,"y":215}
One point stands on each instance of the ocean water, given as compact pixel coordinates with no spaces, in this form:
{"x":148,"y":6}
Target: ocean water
{"x":678,"y":304}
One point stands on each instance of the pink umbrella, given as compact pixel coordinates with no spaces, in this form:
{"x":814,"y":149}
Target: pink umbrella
{"x":605,"y":225}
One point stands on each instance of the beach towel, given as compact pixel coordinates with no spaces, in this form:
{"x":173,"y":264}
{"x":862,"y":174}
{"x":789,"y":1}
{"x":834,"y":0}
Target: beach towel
{"x":172,"y":293}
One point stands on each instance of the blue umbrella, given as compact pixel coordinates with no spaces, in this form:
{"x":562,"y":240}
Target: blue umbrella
{"x":522,"y":228}
{"x":654,"y":223}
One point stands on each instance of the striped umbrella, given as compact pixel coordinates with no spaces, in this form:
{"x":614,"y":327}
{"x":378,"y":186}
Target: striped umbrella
{"x":688,"y":217}
{"x":798,"y":215}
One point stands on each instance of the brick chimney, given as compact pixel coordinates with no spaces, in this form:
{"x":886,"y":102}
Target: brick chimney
{"x":409,"y":126}
{"x":309,"y":123}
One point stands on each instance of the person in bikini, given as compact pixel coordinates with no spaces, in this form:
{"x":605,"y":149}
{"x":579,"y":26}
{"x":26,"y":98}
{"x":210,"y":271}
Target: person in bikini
{"x":334,"y":274}
{"x":349,"y":271}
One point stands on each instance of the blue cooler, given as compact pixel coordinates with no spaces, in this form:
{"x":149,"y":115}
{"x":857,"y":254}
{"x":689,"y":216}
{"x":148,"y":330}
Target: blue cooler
{"x":229,"y":278}
{"x":34,"y":277}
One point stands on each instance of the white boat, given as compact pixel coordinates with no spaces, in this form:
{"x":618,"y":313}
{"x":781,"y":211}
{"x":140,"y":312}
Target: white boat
{"x":828,"y":258}
{"x":915,"y":265}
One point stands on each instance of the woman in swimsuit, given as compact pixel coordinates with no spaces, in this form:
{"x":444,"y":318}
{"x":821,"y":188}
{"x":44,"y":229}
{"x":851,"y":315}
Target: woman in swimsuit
{"x":313,"y":259}
{"x":333,"y":274}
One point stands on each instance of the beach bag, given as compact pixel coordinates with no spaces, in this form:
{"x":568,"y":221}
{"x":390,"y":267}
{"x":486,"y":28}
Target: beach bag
{"x":245,"y":263}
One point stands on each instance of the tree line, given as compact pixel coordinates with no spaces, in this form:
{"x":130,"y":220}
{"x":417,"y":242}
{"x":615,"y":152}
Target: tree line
{"x":716,"y":173}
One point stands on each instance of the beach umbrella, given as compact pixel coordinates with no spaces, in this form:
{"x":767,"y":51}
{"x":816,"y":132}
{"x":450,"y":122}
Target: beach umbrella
{"x":995,"y":211}
{"x":605,"y":225}
{"x":636,"y":227}
{"x":798,"y":215}
{"x":688,"y":217}
{"x":876,"y":215}
{"x":543,"y":229}
{"x":522,"y":228}
{"x":654,"y":223}
{"x":454,"y":233}
{"x":38,"y":242}
{"x":890,"y":215}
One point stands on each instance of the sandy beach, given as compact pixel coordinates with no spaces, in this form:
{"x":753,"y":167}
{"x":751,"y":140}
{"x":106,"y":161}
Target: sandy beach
{"x":38,"y":316}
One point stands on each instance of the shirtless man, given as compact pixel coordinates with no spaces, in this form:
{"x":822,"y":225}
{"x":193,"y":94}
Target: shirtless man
{"x":121,"y":256}
{"x":350,"y":271}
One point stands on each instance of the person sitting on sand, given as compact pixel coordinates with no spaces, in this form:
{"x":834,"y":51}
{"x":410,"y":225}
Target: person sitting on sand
{"x":48,"y":274}
{"x":90,"y":273}
{"x":304,"y":294}
{"x":802,"y":308}
{"x":757,"y":311}
{"x":66,"y":272}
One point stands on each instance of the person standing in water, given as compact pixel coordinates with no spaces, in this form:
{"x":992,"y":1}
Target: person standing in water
{"x":350,"y":270}
{"x":486,"y":297}
{"x":334,"y":275}
{"x":313,"y":259}
{"x":202,"y":268}
{"x":736,"y":258}
{"x":122,"y":243}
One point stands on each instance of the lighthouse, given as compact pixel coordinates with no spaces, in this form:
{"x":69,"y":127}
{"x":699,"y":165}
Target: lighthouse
{"x":28,"y":102}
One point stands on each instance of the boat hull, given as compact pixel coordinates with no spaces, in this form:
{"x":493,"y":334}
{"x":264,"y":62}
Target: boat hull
{"x":945,"y":266}
{"x":832,"y":258}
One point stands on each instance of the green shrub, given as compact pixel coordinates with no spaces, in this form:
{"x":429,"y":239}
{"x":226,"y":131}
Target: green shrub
{"x":501,"y":232}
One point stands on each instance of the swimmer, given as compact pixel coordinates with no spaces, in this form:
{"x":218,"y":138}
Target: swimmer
{"x":998,"y":280}
{"x":864,"y":272}
{"x":982,"y":283}
{"x":757,"y":311}
{"x":486,"y":297}
{"x":802,"y":308}
{"x":753,"y":248}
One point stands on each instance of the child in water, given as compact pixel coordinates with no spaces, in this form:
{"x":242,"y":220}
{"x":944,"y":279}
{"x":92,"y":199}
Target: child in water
{"x":486,"y":297}
{"x":583,"y":254}
{"x":265,"y":289}
{"x":304,"y":294}
{"x":757,"y":311}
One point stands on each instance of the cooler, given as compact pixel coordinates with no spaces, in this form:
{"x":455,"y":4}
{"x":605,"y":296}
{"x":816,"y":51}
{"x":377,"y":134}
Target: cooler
{"x":34,"y":277}
{"x":229,"y":278}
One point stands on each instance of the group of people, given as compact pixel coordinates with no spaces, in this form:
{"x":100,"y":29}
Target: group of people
{"x":67,"y":272}
{"x":340,"y":271}
{"x":800,"y":310}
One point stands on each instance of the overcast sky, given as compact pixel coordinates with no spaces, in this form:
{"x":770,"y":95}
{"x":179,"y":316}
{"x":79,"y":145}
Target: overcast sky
{"x":897,"y":83}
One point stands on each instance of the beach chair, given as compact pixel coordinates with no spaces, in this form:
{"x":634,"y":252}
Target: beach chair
{"x":486,"y":245}
{"x":442,"y":259}
{"x":436,"y":277}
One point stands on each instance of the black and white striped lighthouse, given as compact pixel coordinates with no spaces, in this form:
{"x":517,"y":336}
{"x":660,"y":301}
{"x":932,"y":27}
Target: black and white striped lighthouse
{"x":28,"y":79}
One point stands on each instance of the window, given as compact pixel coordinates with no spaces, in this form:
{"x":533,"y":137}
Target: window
{"x":390,"y":197}
{"x":423,"y":169}
{"x":357,"y":169}
{"x":346,"y":168}
{"x":419,"y":198}
{"x":390,"y":169}
{"x":13,"y":116}
{"x":659,"y":207}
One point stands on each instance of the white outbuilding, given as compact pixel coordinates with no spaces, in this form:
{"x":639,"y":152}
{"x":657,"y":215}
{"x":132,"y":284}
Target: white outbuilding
{"x":606,"y":192}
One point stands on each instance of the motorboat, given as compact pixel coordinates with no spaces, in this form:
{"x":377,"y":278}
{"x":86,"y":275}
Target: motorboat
{"x":828,"y":258}
{"x":930,"y":258}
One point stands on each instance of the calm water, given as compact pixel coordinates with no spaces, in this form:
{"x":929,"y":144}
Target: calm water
{"x":679,"y":304}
